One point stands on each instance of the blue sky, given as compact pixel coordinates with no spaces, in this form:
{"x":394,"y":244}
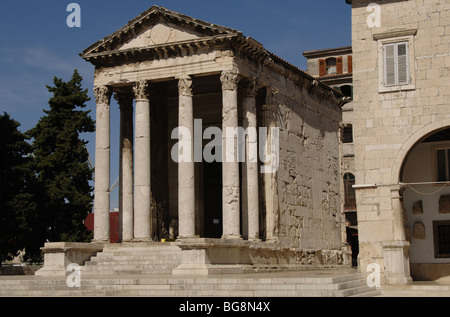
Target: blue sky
{"x":37,"y":45}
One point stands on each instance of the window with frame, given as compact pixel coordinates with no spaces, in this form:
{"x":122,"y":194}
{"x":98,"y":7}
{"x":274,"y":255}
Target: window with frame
{"x":442,"y":157}
{"x":347,"y":134}
{"x":331,"y":66}
{"x":441,"y":237}
{"x":396,"y":64}
{"x":396,"y":71}
{"x":347,"y":90}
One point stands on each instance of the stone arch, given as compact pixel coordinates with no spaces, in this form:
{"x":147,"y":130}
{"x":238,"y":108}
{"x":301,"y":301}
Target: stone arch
{"x":408,"y":146}
{"x":419,"y":199}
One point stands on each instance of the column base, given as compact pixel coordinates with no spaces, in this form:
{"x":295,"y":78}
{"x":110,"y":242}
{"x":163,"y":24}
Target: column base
{"x":274,"y":240}
{"x":181,"y":239}
{"x":58,"y":255}
{"x":126,"y":241}
{"x":101,"y":241}
{"x":232,"y":237}
{"x":137,"y":240}
{"x":396,"y":263}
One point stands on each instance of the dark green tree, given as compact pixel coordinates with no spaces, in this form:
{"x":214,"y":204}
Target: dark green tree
{"x":60,"y":163}
{"x":15,"y":198}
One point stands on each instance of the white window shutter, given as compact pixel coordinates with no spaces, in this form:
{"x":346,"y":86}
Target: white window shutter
{"x":389,"y":65}
{"x":403,"y":77}
{"x":396,"y":64}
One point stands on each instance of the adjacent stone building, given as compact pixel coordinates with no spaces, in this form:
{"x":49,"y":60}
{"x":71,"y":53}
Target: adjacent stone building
{"x":401,"y":109}
{"x":169,"y":71}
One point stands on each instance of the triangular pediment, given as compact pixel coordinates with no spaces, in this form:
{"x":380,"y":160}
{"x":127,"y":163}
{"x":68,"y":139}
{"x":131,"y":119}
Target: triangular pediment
{"x":159,"y":34}
{"x":155,"y":27}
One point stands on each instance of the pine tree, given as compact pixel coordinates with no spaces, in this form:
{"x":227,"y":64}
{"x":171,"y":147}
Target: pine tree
{"x":60,"y":163}
{"x":15,"y":197}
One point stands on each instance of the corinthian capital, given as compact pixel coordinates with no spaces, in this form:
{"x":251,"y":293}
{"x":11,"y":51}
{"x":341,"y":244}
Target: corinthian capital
{"x":229,"y":80}
{"x":102,"y":94}
{"x":185,"y":86}
{"x":141,"y":90}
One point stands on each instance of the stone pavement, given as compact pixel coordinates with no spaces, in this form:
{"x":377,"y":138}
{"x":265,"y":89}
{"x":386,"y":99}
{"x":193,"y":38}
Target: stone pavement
{"x":439,"y":288}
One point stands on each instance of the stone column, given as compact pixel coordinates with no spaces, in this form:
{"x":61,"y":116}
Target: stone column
{"x":270,"y":185}
{"x":396,"y":252}
{"x":230,"y":165}
{"x":250,"y":170}
{"x":142,"y":178}
{"x":102,"y":165}
{"x":126,"y":167}
{"x":398,"y":221}
{"x":186,"y":174}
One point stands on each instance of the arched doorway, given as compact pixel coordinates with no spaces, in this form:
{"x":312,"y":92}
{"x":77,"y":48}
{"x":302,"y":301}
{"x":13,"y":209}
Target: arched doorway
{"x":425,"y":176}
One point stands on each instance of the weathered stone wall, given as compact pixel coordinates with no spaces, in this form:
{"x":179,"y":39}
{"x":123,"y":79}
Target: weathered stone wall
{"x":309,"y":174}
{"x":388,"y":122}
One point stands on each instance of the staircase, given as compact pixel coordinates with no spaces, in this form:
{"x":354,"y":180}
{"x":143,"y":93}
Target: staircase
{"x":144,"y":269}
{"x":134,"y":259}
{"x":291,"y":284}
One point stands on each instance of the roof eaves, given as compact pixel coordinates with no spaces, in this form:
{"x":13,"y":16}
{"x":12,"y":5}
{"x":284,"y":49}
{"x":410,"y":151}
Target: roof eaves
{"x":328,"y":51}
{"x":334,"y":76}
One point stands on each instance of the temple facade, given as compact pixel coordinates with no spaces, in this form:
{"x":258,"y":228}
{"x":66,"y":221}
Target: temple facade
{"x":221,"y":143}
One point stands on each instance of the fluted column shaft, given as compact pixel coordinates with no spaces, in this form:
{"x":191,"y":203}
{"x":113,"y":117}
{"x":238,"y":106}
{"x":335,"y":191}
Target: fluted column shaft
{"x":142,"y":179}
{"x":102,"y":165}
{"x":251,"y":165}
{"x":186,"y":167}
{"x":230,"y":165}
{"x":126,"y":202}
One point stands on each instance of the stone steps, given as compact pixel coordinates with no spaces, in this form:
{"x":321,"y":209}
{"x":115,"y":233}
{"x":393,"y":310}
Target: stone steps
{"x":145,"y":269}
{"x":141,"y":261}
{"x":272,"y":285}
{"x":134,"y":258}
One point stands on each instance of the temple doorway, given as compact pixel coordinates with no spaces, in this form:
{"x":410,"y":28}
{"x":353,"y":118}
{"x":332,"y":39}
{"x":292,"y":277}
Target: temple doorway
{"x":212,"y":199}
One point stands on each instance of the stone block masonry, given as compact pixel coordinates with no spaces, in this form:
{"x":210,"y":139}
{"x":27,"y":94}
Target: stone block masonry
{"x":391,"y":117}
